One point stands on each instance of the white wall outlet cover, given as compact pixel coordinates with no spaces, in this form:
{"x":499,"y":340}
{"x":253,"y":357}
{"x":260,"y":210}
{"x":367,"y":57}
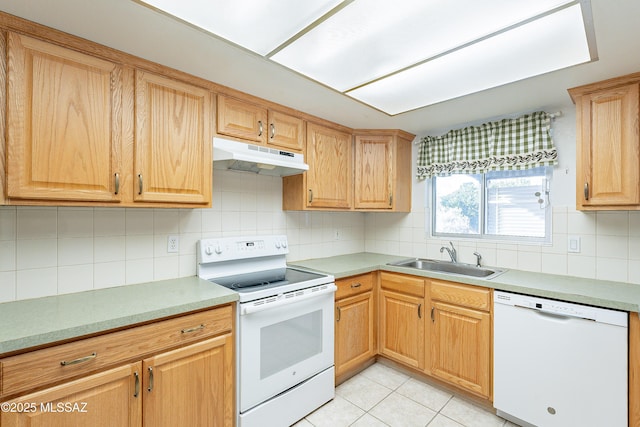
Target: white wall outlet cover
{"x":173,"y":244}
{"x":573,"y":244}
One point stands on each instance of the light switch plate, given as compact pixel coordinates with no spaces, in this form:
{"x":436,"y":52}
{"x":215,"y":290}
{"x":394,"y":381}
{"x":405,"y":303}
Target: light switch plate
{"x":573,"y":244}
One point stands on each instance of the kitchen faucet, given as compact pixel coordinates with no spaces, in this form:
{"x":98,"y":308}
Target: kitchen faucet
{"x":452,"y":252}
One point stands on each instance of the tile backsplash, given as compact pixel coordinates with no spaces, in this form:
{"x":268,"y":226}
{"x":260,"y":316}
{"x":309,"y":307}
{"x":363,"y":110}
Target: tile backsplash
{"x":56,"y":250}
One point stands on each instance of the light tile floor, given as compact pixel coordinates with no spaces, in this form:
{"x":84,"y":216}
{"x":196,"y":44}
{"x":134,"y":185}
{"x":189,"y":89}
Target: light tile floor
{"x":381,"y":396}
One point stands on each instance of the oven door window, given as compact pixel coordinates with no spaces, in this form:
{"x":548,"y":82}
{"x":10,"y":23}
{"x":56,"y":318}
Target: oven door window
{"x":289,"y":342}
{"x":283,"y":346}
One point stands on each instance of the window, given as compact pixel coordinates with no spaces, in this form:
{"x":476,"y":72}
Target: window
{"x":501,"y":205}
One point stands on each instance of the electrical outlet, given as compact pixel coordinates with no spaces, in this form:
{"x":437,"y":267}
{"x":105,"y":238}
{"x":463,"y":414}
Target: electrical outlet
{"x":173,"y":244}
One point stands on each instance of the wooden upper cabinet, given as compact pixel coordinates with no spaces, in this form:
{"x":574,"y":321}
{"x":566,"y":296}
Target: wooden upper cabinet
{"x":241,"y":119}
{"x":329,"y":183}
{"x":64,"y":123}
{"x":374,"y":167}
{"x":608,"y":145}
{"x":286,"y":131}
{"x":259,"y":125}
{"x":383,"y":170}
{"x":173,"y":141}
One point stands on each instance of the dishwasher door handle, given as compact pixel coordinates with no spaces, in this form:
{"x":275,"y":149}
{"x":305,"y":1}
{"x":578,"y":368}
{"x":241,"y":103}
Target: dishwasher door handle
{"x":552,"y":315}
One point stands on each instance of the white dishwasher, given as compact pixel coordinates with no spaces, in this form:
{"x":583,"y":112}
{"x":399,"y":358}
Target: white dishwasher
{"x":559,"y":364}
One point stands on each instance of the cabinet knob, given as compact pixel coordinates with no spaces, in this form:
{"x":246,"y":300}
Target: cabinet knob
{"x":117,"y":183}
{"x":139,"y":183}
{"x":259,"y":127}
{"x":273,"y":130}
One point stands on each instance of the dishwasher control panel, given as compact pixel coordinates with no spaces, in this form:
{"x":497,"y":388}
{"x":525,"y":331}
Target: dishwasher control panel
{"x":561,"y":308}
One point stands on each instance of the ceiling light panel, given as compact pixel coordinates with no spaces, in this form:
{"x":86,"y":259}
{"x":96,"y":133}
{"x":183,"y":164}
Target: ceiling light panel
{"x":550,"y":43}
{"x":258,"y":25}
{"x":369,"y":39}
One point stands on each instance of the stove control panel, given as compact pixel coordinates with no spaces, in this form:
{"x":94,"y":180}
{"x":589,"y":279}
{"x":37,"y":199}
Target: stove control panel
{"x":234,"y":248}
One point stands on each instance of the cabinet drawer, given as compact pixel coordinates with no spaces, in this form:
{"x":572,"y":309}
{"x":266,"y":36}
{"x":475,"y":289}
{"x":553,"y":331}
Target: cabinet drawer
{"x":401,"y":283}
{"x":53,"y":364}
{"x":354,"y":285}
{"x":461,"y":295}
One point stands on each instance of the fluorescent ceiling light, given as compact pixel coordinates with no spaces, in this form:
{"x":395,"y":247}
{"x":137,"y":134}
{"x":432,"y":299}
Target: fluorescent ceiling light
{"x":257,"y":25}
{"x":541,"y":46}
{"x":373,"y":38}
{"x":401,"y":55}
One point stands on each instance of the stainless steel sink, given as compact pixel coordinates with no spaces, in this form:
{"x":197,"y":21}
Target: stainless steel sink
{"x":449,"y":267}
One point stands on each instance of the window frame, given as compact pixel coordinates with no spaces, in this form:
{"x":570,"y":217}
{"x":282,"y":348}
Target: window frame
{"x":483,"y":235}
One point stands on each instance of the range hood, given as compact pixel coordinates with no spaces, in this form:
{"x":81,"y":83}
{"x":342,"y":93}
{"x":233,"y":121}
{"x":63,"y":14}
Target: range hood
{"x":259,"y":159}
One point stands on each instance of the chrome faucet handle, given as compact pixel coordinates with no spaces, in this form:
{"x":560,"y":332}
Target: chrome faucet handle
{"x":452,"y":252}
{"x":478,"y":258}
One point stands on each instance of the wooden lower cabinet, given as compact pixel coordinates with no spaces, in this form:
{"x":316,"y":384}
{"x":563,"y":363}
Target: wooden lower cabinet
{"x":355,"y":342}
{"x":401,"y":319}
{"x":105,"y":399}
{"x":634,"y":369}
{"x":461,"y":336}
{"x":189,"y":386}
{"x":177,"y":373}
{"x":439,"y":328}
{"x":461,"y":347}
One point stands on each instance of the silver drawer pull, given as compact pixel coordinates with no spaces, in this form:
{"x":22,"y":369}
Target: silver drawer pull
{"x":136,"y":389}
{"x":194,"y":329}
{"x":150,"y":388}
{"x":79,"y":360}
{"x":117,"y":183}
{"x":356,"y":285}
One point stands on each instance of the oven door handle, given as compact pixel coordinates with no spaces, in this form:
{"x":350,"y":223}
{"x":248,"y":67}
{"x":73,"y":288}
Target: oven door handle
{"x":284,"y":301}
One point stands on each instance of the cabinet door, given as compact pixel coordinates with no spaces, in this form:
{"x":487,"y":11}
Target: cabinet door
{"x":63,"y":123}
{"x":191,"y":386}
{"x":241,"y":120}
{"x":608,"y":152}
{"x":329,"y":182}
{"x":110,"y":398}
{"x":286,"y":131}
{"x":401,"y":326}
{"x":374,"y":172}
{"x":173,"y":141}
{"x":354,"y":330}
{"x":461,"y":347}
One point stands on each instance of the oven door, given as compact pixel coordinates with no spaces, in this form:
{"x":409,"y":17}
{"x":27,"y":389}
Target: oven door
{"x":283,"y":343}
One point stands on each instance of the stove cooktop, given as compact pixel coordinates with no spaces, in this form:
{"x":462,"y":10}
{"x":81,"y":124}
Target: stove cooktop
{"x":263,"y":280}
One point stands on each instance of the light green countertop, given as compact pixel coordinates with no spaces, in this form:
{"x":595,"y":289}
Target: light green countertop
{"x":35,"y":322}
{"x":601,"y":293}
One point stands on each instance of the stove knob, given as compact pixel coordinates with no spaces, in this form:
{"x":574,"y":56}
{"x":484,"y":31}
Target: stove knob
{"x":284,"y":243}
{"x":208,"y":250}
{"x":277,"y":245}
{"x":218,"y":249}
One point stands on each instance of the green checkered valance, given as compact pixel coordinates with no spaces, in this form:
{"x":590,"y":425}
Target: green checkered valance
{"x":520,"y":143}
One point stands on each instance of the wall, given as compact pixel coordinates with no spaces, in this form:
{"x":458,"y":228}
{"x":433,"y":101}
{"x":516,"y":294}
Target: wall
{"x":48,"y":251}
{"x":610,"y":241}
{"x":57,"y":250}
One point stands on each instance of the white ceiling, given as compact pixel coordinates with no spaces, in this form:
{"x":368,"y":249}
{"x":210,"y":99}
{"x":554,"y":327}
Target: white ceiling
{"x":134,"y":28}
